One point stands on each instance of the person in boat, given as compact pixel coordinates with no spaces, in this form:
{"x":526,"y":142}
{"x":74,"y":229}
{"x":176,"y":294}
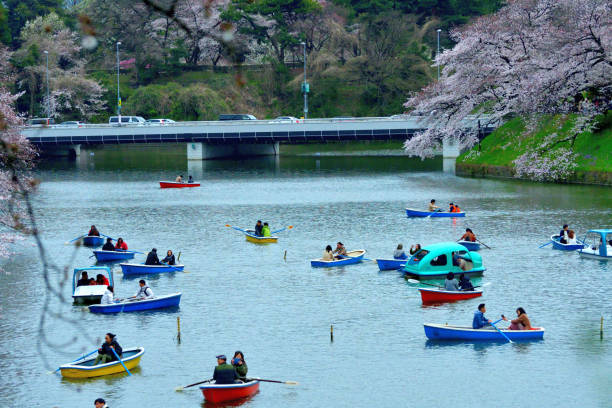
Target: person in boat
{"x":399,"y":252}
{"x":240,"y":365}
{"x":468,"y":236}
{"x":144,"y":292}
{"x":102,"y":280}
{"x":105,"y":354}
{"x":454,"y":208}
{"x":259,"y":229}
{"x":480,"y":320}
{"x":100,"y":403}
{"x":450,"y":283}
{"x":459,"y":261}
{"x":108,"y":298}
{"x":92,"y":282}
{"x":152,"y":258}
{"x":265,"y":231}
{"x":433,"y":207}
{"x":465,"y":283}
{"x":521,"y":322}
{"x":563,"y":234}
{"x":571,"y":237}
{"x":121,"y":245}
{"x":328,"y":254}
{"x":179,"y":179}
{"x":169,"y":259}
{"x":93,"y":232}
{"x":190,"y":179}
{"x":340,"y":250}
{"x":224,"y":373}
{"x":84,"y":281}
{"x":109,"y":245}
{"x":415,"y":248}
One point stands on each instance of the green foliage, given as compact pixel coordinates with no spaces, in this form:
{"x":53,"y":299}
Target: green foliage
{"x":5,"y":29}
{"x":21,"y":11}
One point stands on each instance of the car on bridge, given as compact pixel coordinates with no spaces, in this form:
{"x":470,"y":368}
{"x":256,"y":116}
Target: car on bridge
{"x":236,"y":116}
{"x":159,"y":122}
{"x":40,"y":122}
{"x":127,"y":120}
{"x":72,"y":123}
{"x":285,"y":119}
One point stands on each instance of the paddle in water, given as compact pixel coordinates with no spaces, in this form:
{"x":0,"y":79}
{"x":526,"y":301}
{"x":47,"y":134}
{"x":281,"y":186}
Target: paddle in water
{"x":486,"y":246}
{"x":75,"y":239}
{"x":501,"y":332}
{"x":236,"y":228}
{"x":543,"y":245}
{"x":121,"y":361}
{"x":276,"y":381}
{"x":78,"y":359}
{"x":423,"y":283}
{"x":282,"y":229}
{"x":181,"y":388}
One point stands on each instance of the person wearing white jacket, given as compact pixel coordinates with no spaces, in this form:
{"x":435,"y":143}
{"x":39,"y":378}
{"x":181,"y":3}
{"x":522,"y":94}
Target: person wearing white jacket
{"x":109,"y":296}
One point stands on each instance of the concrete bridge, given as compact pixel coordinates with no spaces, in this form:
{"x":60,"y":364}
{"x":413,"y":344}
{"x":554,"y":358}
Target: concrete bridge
{"x":218,"y":139}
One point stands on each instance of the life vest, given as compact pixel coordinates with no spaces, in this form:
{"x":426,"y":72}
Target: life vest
{"x":455,"y":209}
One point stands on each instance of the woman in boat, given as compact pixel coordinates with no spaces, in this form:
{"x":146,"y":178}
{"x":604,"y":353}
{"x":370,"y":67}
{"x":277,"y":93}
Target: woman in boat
{"x":454,"y":208}
{"x":93,"y":232}
{"x":450,"y":283}
{"x":399,"y":252}
{"x":108,"y":297}
{"x":105,"y":354}
{"x":109,"y":245}
{"x":102,"y":280}
{"x":415,"y":248}
{"x":571,"y":237}
{"x":468,"y":236}
{"x":169,"y":259}
{"x":265,"y":231}
{"x":121,"y":244}
{"x":521,"y":322}
{"x":240,"y":365}
{"x":465,"y":283}
{"x":328,"y":254}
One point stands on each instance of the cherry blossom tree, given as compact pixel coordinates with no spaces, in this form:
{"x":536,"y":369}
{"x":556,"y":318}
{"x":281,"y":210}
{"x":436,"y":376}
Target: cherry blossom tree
{"x":532,"y":57}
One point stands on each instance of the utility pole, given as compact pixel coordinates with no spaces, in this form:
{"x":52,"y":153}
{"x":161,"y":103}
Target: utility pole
{"x":118,"y":93}
{"x":305,"y":85}
{"x":438,"y":53}
{"x":48,"y":107}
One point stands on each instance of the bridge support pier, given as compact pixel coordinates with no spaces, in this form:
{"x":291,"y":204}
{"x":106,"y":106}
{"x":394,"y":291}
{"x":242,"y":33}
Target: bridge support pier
{"x":206,"y":151}
{"x":63,"y":151}
{"x":450,"y":152}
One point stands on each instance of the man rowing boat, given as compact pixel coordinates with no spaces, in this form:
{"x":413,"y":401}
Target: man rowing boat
{"x":340,"y":250}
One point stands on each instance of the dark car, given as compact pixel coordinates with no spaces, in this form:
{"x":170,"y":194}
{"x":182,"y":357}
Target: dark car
{"x":236,"y":116}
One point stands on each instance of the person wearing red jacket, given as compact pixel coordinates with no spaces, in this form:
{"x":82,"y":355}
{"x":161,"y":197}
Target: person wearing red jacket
{"x":121,"y":245}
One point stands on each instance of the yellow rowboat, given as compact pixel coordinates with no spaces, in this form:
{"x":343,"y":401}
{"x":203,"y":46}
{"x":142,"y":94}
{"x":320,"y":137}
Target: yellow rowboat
{"x":251,"y":237}
{"x":85,"y":368}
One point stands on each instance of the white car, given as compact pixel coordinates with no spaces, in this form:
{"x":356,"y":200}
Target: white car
{"x":160,"y":122}
{"x":127,"y":120}
{"x":286,"y":119}
{"x":72,"y":123}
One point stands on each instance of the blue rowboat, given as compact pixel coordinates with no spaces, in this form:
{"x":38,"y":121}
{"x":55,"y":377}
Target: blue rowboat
{"x":93,"y":241}
{"x":352,"y":257}
{"x":471,"y":246}
{"x":110,"y":256}
{"x":390,"y":264}
{"x":446,"y":332}
{"x":142,"y":269}
{"x":417,"y":213}
{"x":556,"y":244}
{"x":137,"y":305}
{"x":599,"y":247}
{"x":436,"y":261}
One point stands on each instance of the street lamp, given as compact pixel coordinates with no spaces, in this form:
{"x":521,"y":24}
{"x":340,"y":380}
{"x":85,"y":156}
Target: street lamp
{"x":118,"y":93}
{"x":305,"y":86}
{"x":438,"y":53}
{"x":48,"y":107}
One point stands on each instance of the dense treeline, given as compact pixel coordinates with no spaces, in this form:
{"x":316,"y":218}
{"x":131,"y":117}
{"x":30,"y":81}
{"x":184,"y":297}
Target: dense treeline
{"x":364,"y":56}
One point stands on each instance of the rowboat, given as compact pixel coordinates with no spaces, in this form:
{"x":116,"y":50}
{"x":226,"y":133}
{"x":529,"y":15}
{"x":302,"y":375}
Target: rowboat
{"x":436,"y":261}
{"x":471,"y":246}
{"x":90,"y":294}
{"x":137,"y":305}
{"x":175,"y":184}
{"x":216,"y":393}
{"x":85,"y":369}
{"x":142,"y":269}
{"x":390,"y":264}
{"x":352,"y":257}
{"x":93,"y":241}
{"x":251,"y":237}
{"x":556,"y":244}
{"x":446,"y":332}
{"x":599,"y":245}
{"x":441,"y":214}
{"x":110,"y":256}
{"x":429,"y":296}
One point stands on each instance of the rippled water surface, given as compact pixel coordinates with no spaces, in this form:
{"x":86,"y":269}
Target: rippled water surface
{"x":269,"y":303}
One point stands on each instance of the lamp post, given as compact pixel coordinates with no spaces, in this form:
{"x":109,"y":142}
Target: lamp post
{"x":48,"y":108}
{"x":118,"y":93}
{"x":305,"y":86}
{"x":438,"y":53}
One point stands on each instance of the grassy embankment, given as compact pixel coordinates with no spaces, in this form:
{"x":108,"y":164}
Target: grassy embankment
{"x":502,"y":147}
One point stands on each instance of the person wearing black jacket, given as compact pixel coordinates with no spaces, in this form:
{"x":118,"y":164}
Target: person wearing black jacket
{"x":259,"y":229}
{"x":152,"y":258}
{"x":109,"y":245}
{"x":169,"y":259}
{"x":84,"y":281}
{"x":105,"y":354}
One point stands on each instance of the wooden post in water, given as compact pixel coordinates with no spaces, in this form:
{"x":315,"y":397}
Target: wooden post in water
{"x":179,"y":257}
{"x":285,"y":256}
{"x":178,"y":327}
{"x":601,"y":328}
{"x":331,"y":333}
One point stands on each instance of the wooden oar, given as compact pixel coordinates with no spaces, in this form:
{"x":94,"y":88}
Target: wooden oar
{"x":121,"y":361}
{"x":108,"y":237}
{"x":543,"y":245}
{"x":423,"y":283}
{"x":275,"y":381}
{"x":282,"y":229}
{"x":483,"y":243}
{"x":72,"y":240}
{"x":500,"y":332}
{"x":191,"y":385}
{"x":78,"y":359}
{"x":236,"y":228}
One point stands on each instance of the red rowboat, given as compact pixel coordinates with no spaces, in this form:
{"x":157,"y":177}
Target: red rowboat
{"x":229,"y":392}
{"x":430,"y":296}
{"x":174,"y":184}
